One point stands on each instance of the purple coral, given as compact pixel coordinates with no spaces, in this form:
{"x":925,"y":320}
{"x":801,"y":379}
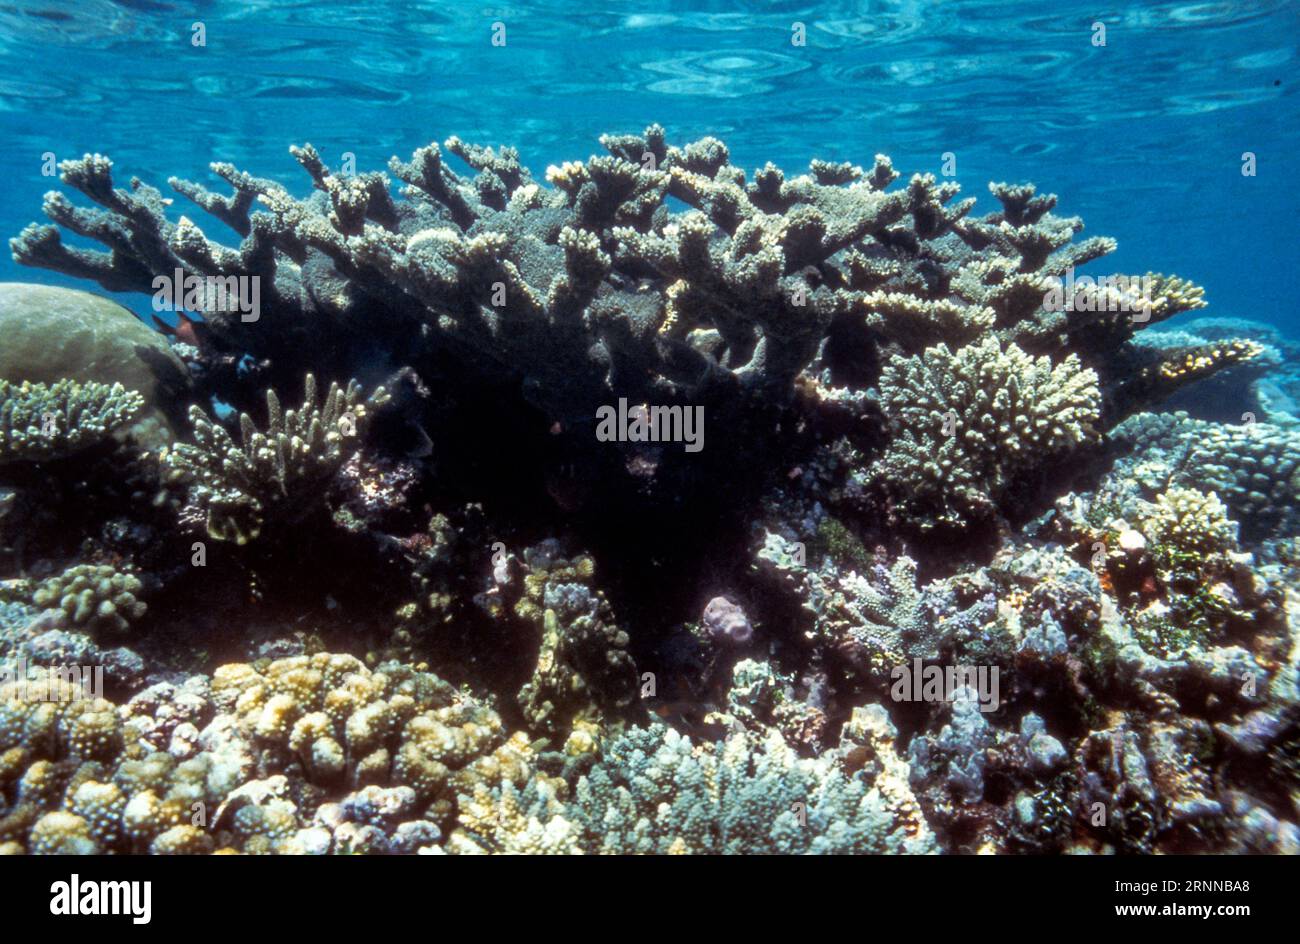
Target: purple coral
{"x":727,"y":622}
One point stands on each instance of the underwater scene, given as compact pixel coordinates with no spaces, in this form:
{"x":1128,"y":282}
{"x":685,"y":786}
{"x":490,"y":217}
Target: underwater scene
{"x":546,"y":428}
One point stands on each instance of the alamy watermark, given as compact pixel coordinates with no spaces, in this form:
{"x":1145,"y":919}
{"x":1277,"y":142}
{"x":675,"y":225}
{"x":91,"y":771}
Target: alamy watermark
{"x":75,"y":897}
{"x":53,"y":683}
{"x":231,"y":294}
{"x":920,"y":682}
{"x":1128,"y":293}
{"x":641,"y":423}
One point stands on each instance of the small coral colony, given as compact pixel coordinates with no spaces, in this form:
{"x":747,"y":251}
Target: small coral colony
{"x":651,"y":506}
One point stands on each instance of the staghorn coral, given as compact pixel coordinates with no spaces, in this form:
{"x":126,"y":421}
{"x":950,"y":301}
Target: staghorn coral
{"x":968,"y":422}
{"x":592,"y":289}
{"x":508,"y":822}
{"x":792,"y":308}
{"x":1173,"y":370}
{"x":277,"y":474}
{"x":888,"y":623}
{"x":916,"y":323}
{"x":40,"y":422}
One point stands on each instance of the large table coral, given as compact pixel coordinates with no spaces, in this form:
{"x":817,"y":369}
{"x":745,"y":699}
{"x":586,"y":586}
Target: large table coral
{"x":767,"y":293}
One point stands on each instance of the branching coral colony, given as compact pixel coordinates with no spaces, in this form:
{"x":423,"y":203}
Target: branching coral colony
{"x":912,"y":455}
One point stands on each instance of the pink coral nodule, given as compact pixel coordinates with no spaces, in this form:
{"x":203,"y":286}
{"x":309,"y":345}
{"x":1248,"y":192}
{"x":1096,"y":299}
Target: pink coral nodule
{"x":727,"y":622}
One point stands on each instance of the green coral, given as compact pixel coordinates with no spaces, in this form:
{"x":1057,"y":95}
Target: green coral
{"x":1209,"y":583}
{"x":40,"y":422}
{"x":840,"y":543}
{"x":1169,"y":633}
{"x":97,"y":597}
{"x":655,"y":791}
{"x":883,"y":613}
{"x":968,"y":423}
{"x":279,"y":473}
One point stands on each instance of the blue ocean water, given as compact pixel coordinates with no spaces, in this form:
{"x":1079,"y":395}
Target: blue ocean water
{"x":1143,"y":136}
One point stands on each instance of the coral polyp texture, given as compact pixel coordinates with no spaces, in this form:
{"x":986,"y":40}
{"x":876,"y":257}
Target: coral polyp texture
{"x":906,"y":537}
{"x":969,"y":422}
{"x":96,"y":596}
{"x":39,"y":421}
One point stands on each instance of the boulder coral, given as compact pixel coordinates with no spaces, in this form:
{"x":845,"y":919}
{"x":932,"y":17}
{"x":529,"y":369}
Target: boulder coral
{"x":54,"y":333}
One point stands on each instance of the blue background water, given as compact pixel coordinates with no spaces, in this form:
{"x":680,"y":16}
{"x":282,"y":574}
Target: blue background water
{"x":1142,"y":138}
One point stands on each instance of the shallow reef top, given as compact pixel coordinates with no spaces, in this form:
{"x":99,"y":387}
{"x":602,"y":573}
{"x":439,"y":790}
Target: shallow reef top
{"x":643,"y":506}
